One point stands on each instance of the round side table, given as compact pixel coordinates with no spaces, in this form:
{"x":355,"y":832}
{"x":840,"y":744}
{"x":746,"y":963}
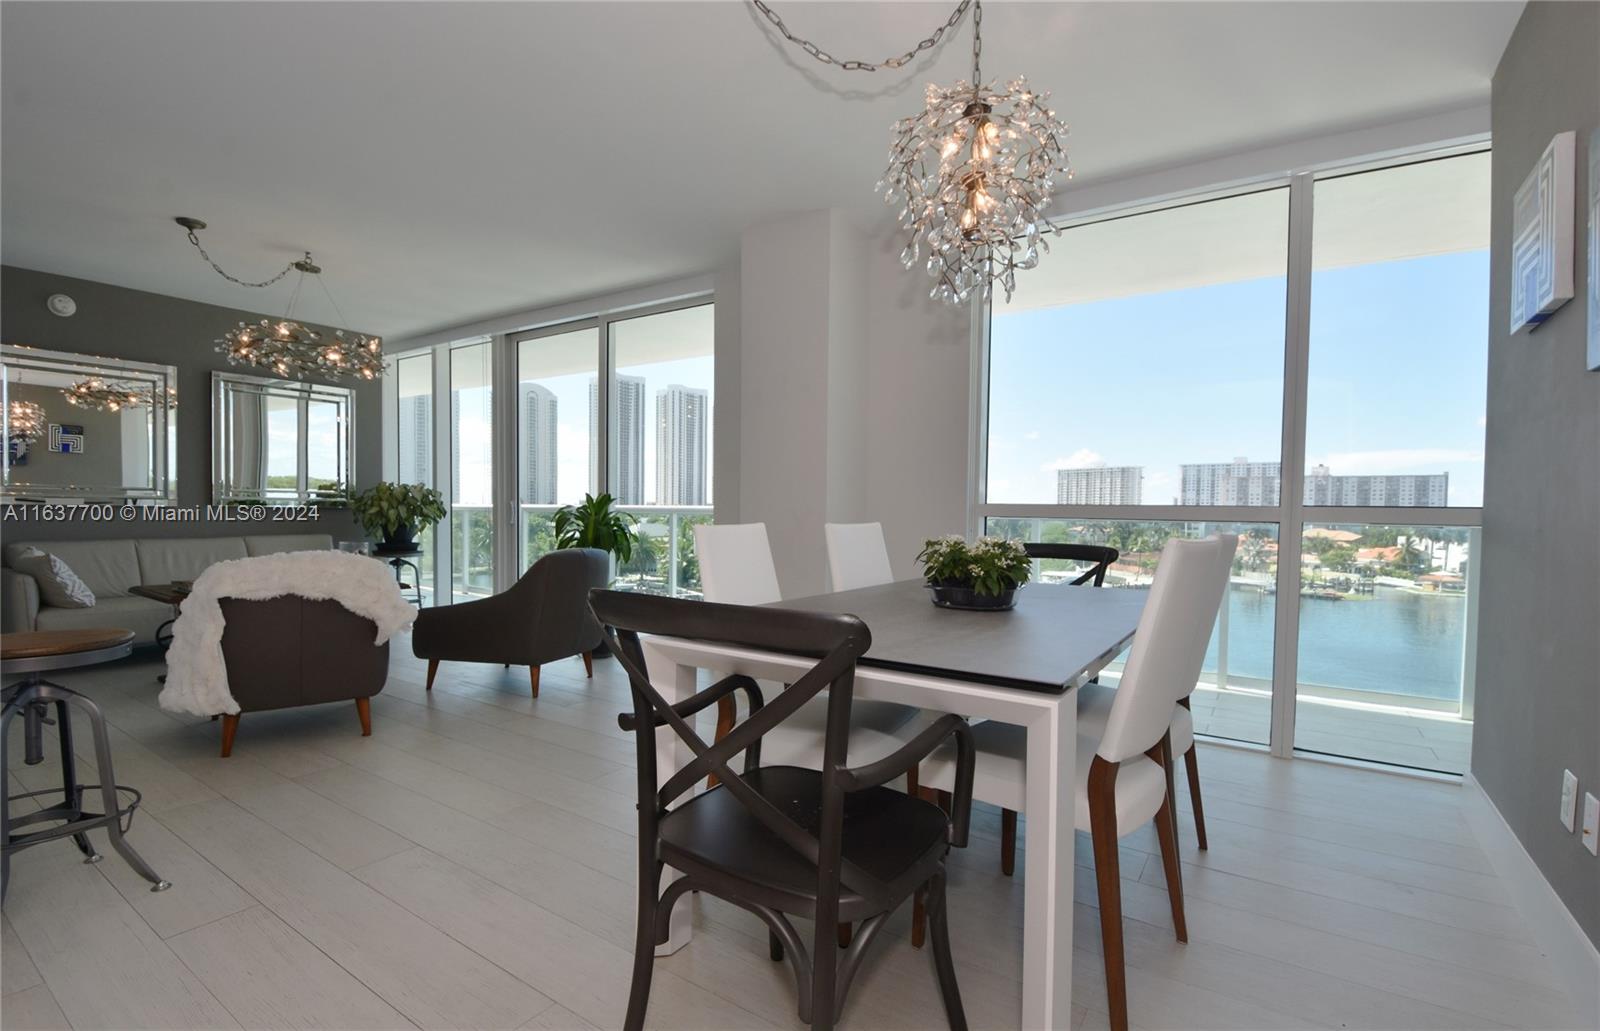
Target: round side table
{"x":31,"y":654}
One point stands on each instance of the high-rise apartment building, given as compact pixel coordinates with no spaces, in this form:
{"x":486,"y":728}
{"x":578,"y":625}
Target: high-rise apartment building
{"x":537,"y":467}
{"x":1100,"y":485}
{"x":1239,"y":482}
{"x":627,"y":439}
{"x":1243,"y":482}
{"x":1407,"y":490}
{"x":683,"y":423}
{"x":415,"y":433}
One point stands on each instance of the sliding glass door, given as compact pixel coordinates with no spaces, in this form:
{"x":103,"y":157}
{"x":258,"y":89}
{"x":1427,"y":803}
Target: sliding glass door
{"x":1304,"y":365}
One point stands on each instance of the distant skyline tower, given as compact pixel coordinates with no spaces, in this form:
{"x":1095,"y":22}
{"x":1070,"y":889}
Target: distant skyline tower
{"x":627,"y":473}
{"x":538,"y":466}
{"x":683,"y":419}
{"x":1100,"y":485}
{"x":416,"y":439}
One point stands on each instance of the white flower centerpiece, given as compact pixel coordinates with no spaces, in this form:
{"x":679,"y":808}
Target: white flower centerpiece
{"x":982,"y":575}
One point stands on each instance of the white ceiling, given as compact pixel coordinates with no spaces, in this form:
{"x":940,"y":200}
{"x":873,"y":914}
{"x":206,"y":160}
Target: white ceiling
{"x":450,"y":161}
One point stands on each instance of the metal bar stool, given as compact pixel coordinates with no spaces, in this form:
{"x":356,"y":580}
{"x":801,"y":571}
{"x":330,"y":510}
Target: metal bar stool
{"x":31,"y":654}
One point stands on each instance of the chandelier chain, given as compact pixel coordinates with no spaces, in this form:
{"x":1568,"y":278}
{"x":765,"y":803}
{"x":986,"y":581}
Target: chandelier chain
{"x":977,"y":42}
{"x":234,"y":279}
{"x":871,"y":66}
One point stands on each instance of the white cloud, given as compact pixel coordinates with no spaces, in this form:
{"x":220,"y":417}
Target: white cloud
{"x":1398,"y":460}
{"x":1079,"y":459}
{"x":1483,"y":421}
{"x":1031,"y":435}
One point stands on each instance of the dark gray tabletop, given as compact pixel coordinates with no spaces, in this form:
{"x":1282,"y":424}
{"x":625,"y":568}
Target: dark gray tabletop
{"x":1054,"y":634}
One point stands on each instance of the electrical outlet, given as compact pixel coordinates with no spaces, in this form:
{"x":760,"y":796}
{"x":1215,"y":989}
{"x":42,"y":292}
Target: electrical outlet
{"x":1569,"y":800}
{"x":1591,"y":824}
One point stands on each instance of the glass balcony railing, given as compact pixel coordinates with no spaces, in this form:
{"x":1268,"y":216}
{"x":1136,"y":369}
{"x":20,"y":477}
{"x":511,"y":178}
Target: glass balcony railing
{"x":663,"y":562}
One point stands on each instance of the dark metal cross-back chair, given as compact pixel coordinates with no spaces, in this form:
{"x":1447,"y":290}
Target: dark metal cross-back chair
{"x":829,"y":846}
{"x":1101,"y":557}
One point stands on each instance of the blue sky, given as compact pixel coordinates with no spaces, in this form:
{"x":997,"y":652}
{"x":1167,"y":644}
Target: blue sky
{"x":1397,"y":379}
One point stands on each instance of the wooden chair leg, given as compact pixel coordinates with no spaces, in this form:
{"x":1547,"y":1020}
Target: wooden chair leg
{"x":1167,"y":832}
{"x":919,"y":918}
{"x":533,"y":678}
{"x":433,"y":667}
{"x":726,"y":713}
{"x":1008,"y":841}
{"x":1103,"y":831}
{"x":230,"y":727}
{"x":588,"y":665}
{"x":844,"y":935}
{"x":364,"y":710}
{"x":1192,"y":762}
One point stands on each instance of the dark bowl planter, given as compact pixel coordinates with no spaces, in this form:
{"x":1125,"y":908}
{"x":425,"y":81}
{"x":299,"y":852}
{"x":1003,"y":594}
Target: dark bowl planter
{"x":402,"y":540}
{"x":962,"y":596}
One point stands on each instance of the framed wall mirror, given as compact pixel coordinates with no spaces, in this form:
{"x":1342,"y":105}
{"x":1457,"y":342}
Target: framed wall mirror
{"x":278,"y":442}
{"x":82,"y":427}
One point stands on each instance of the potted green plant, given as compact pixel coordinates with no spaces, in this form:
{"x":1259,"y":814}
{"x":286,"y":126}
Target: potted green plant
{"x":397,"y":512}
{"x":595,"y":523}
{"x":983,"y":575}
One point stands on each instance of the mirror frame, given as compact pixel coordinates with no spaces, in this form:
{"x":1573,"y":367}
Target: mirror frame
{"x":304,"y":393}
{"x":164,"y":381}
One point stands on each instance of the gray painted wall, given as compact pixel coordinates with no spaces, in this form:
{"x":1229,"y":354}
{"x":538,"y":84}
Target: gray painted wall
{"x":122,"y":323}
{"x":1538,"y":703}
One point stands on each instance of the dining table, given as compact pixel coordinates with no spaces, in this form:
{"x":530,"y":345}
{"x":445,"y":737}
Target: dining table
{"x":1018,"y":666}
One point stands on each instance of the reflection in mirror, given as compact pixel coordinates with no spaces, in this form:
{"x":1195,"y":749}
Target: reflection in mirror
{"x":280,"y":442}
{"x":86,"y":428}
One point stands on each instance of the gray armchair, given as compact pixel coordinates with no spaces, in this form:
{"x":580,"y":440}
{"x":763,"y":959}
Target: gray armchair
{"x":545,"y":616}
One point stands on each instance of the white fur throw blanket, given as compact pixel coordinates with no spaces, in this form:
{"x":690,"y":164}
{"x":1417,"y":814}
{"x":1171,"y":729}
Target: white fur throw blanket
{"x":197,"y":678}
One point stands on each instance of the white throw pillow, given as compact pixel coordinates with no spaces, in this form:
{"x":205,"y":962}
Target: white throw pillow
{"x":58,"y":584}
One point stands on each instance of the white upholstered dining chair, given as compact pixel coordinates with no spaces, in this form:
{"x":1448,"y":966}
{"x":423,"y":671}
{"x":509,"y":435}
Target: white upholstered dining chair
{"x":736,"y":568}
{"x":857,"y":555}
{"x":1121,"y":773}
{"x":1094,"y":707}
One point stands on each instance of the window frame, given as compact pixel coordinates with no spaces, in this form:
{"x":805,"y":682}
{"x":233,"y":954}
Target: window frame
{"x":1291,"y":514}
{"x":503,"y":342}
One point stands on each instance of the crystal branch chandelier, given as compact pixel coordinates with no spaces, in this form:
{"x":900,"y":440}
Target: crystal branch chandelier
{"x":104,"y":395}
{"x":25,"y":420}
{"x":286,"y":347}
{"x":972,"y":173}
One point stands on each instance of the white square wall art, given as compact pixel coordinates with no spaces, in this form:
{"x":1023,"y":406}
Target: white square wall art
{"x":1542,"y":235}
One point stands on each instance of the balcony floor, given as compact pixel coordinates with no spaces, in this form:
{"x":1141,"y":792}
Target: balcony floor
{"x":1396,"y":735}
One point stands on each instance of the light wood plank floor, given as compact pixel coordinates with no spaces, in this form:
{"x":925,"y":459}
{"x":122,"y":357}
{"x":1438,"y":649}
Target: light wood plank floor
{"x":471,"y":865}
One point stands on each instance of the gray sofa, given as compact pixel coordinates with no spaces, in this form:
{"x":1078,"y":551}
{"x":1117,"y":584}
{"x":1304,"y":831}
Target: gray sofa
{"x":111,"y":567}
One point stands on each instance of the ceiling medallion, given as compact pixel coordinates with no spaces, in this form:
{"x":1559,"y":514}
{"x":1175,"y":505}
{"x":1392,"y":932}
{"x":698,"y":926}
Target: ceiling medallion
{"x":973,"y":172}
{"x":104,"y":395}
{"x":289,"y":348}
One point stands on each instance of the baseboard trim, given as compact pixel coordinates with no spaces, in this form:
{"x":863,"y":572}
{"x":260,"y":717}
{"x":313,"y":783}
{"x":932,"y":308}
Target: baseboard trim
{"x":1572,"y":955}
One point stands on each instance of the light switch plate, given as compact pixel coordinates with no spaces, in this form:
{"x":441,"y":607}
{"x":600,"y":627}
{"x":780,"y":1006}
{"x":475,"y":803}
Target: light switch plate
{"x":1591,"y":824}
{"x":1569,"y":800}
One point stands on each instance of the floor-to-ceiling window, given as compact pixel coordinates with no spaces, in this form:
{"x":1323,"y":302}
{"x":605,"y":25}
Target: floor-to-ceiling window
{"x":1302,"y":364}
{"x":619,"y":402}
{"x":472,"y":479}
{"x":414,"y":443}
{"x":661,"y":398}
{"x":558,"y":429}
